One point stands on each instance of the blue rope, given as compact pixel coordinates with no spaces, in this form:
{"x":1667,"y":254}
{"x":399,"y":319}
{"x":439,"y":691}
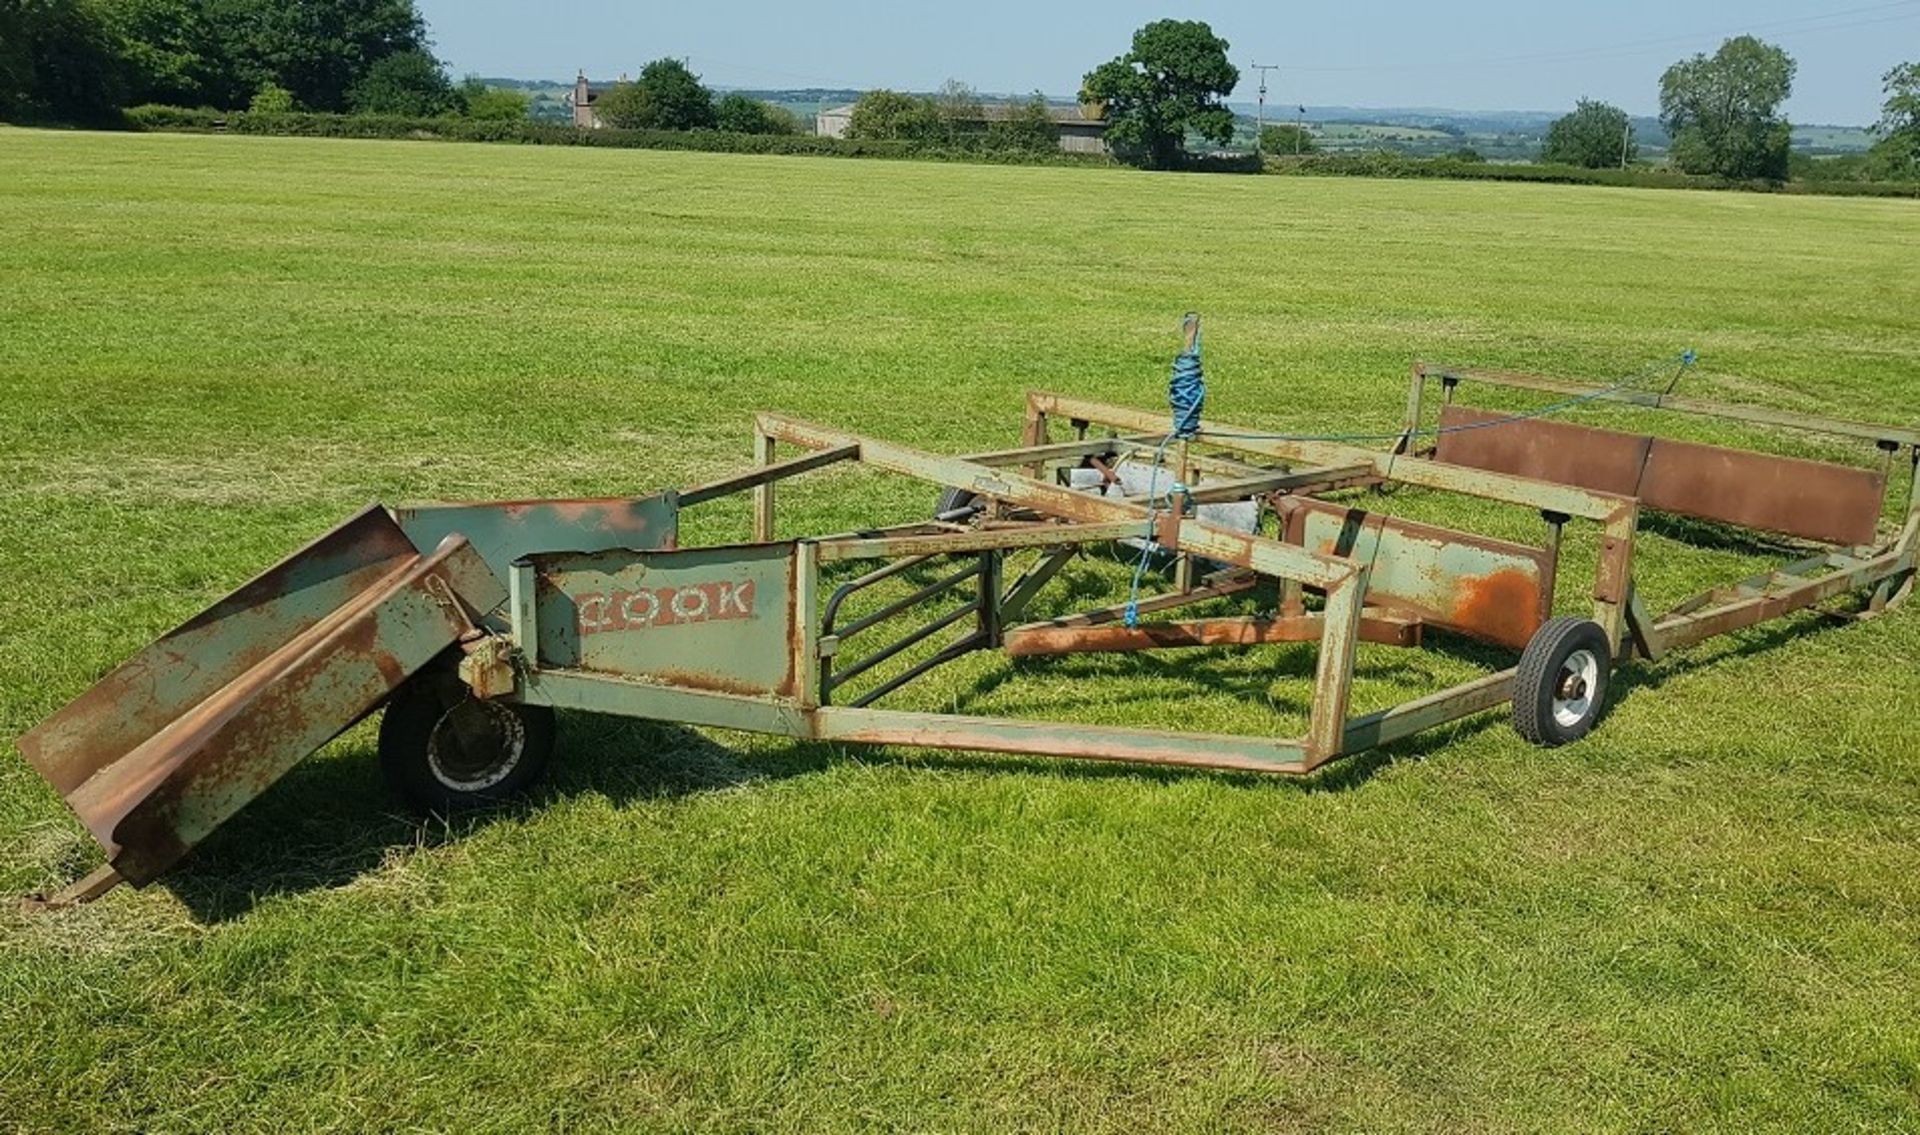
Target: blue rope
{"x":1187,"y":390}
{"x":1187,"y":393}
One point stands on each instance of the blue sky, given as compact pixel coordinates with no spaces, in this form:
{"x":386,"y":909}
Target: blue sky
{"x":1469,"y":55}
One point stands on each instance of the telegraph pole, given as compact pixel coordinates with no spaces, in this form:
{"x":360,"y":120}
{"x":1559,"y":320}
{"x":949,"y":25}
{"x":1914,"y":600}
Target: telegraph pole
{"x":1260,"y":126}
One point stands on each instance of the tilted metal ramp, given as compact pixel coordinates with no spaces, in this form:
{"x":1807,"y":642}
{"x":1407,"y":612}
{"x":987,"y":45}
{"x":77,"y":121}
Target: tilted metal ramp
{"x":188,"y":731}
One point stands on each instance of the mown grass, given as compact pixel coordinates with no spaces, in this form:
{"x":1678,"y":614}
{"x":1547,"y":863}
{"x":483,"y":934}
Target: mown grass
{"x":1705,"y":916}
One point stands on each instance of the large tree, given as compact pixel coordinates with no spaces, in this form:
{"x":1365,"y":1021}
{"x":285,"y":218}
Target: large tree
{"x":743,"y":114}
{"x":1595,"y":135}
{"x":410,"y":84}
{"x":667,"y":96}
{"x":318,"y":49}
{"x":1897,"y":153}
{"x":172,"y":54}
{"x":59,"y":60}
{"x":892,"y":116}
{"x":1286,"y":138}
{"x":1723,"y":110}
{"x":1171,"y":82}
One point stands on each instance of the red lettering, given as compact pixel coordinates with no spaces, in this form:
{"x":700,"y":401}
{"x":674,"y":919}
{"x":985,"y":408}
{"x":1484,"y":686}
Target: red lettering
{"x":649,"y":607}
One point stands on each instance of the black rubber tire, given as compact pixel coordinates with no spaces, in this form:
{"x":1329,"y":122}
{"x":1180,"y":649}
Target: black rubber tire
{"x":952,"y":500}
{"x":1543,"y":668}
{"x":420,"y":719}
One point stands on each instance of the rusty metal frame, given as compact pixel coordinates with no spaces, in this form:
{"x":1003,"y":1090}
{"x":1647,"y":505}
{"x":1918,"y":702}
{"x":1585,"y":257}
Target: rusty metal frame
{"x":1027,"y":511}
{"x":1884,"y":569}
{"x":306,"y":648}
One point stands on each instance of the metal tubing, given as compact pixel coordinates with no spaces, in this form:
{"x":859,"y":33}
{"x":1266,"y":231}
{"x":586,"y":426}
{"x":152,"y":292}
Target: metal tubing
{"x":895,"y":607}
{"x":947,"y":654}
{"x":1866,"y":431}
{"x":763,"y":452}
{"x":1027,"y":536}
{"x":1245,"y":631}
{"x":842,"y":677}
{"x":765,"y":475}
{"x":1333,"y":672}
{"x":1101,"y":615}
{"x":1014,"y":603}
{"x":1375,"y":729}
{"x":1266,"y":556}
{"x":1585,"y":503}
{"x":1058,"y":739}
{"x":1685,"y":630}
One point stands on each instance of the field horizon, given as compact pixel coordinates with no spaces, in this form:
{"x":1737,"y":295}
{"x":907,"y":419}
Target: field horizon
{"x":1704,"y":916}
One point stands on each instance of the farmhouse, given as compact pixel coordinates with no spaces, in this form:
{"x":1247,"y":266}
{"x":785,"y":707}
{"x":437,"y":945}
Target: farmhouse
{"x":1081,"y":129}
{"x":581,"y":101}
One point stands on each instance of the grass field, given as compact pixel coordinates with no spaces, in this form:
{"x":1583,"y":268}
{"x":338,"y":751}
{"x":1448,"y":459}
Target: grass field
{"x":1707,"y":915}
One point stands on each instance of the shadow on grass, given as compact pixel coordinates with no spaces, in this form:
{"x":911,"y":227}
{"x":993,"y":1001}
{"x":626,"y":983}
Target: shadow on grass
{"x":1758,"y":639}
{"x":332,"y":819}
{"x":1715,"y":537}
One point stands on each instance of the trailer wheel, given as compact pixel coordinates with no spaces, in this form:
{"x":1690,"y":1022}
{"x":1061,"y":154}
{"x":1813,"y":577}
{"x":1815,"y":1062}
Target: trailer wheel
{"x":952,"y":502}
{"x":1561,"y":684}
{"x":445,"y":751}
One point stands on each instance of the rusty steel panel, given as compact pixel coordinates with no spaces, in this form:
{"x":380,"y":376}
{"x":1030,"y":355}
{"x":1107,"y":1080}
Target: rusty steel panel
{"x":194,"y":660}
{"x":212,"y":715}
{"x":1815,"y":500}
{"x":1490,"y":589}
{"x":504,"y":531}
{"x":1043,"y":639}
{"x":718,"y":619}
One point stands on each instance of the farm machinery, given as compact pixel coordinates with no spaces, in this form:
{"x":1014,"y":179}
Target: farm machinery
{"x":472,"y":623}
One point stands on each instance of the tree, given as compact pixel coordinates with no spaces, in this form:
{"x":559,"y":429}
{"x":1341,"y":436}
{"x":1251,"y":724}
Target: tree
{"x":171,"y":54}
{"x":743,"y":114}
{"x":1897,"y":154}
{"x":1171,"y":82}
{"x":961,"y":111}
{"x":494,"y":104}
{"x":1723,"y":110}
{"x":318,"y":49}
{"x":272,"y":100}
{"x":1595,"y":135}
{"x":59,"y":60}
{"x":890,"y":115}
{"x":409,"y":84}
{"x":1287,"y":138}
{"x":667,"y":96}
{"x":1900,"y":114}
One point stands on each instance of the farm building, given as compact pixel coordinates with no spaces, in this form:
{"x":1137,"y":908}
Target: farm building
{"x":1080,"y":132}
{"x":580,"y":103}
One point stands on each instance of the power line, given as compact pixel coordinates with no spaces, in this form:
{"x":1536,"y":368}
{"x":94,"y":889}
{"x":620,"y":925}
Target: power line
{"x":1260,"y":123}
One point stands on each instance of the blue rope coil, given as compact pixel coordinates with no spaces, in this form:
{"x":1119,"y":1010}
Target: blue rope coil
{"x":1187,"y":391}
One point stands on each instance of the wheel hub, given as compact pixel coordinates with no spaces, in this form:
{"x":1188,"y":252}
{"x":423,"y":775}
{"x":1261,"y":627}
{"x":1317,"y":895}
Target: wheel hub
{"x":475,"y":745}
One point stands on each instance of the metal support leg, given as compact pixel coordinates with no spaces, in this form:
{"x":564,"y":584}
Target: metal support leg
{"x":763,"y":494}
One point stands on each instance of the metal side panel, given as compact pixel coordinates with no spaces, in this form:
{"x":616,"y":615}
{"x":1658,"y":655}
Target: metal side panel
{"x":187,"y":731}
{"x":192,"y":662}
{"x":1815,"y":500}
{"x":152,"y":805}
{"x":719,"y":619}
{"x":504,"y":531}
{"x":1490,"y":589}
